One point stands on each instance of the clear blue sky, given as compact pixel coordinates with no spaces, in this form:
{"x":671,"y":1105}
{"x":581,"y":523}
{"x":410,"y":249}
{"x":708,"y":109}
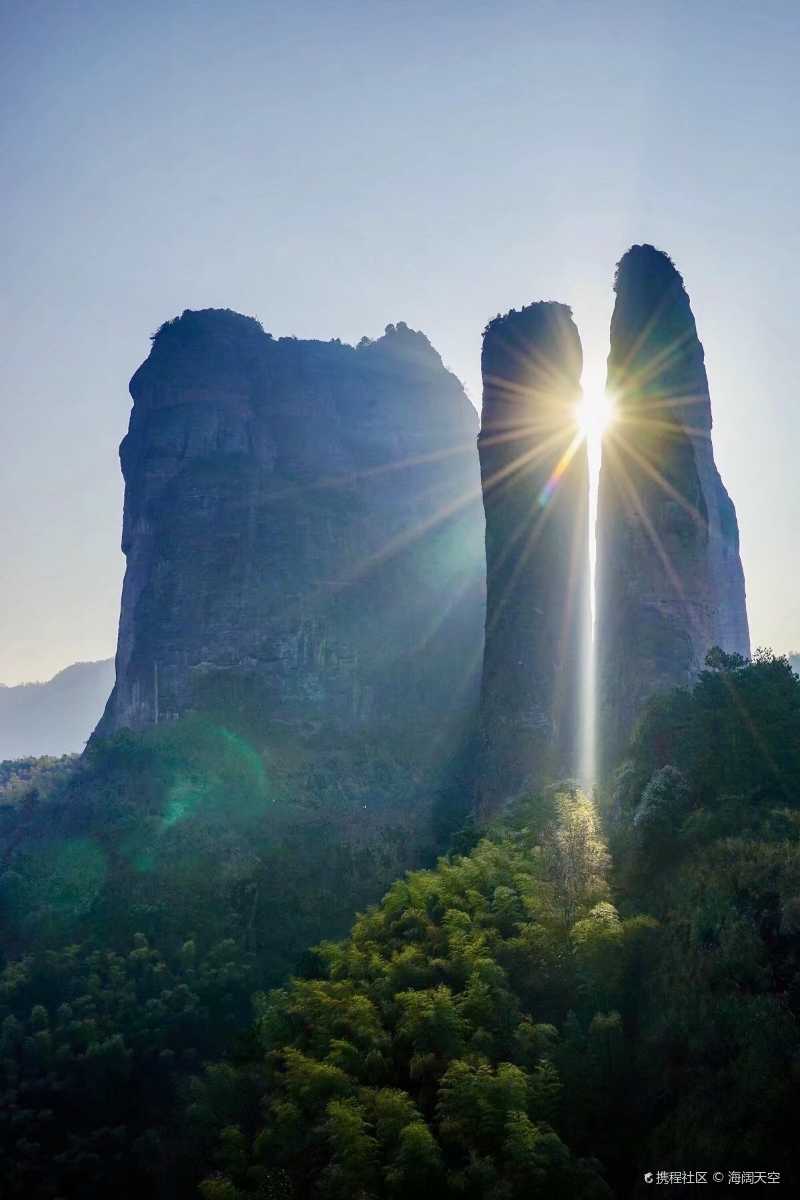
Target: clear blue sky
{"x":331,"y":167}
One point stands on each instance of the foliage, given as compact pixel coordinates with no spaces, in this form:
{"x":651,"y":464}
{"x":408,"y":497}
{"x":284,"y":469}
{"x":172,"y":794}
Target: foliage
{"x":92,"y":1046}
{"x":735,"y":731}
{"x":534,"y":1016}
{"x":190,"y":827}
{"x":432,"y":1049}
{"x":530,"y":1019}
{"x":187,"y":835}
{"x":25,"y":780}
{"x":705,"y":827}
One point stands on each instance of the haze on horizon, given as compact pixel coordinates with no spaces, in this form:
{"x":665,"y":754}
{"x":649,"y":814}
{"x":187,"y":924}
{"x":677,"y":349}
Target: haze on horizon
{"x":332,"y":168}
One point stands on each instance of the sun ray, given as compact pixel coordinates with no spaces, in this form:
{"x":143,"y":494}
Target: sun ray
{"x":524,"y":526}
{"x":627,"y":483}
{"x":559,"y":470}
{"x":635,"y":500}
{"x":653,"y":472}
{"x":537,"y":452}
{"x":620,"y":444}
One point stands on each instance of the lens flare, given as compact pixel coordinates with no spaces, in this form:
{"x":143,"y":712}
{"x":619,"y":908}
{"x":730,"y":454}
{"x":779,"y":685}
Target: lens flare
{"x":595,"y":412}
{"x":559,"y":470}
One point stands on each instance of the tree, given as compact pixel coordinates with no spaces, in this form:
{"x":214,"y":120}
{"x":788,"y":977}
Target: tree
{"x":575,"y":856}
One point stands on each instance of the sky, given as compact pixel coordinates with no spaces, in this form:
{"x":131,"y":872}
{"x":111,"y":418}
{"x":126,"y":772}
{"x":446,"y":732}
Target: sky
{"x":331,"y":167}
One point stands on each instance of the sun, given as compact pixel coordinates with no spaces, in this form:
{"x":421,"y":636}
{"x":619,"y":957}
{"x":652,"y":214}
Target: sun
{"x":595,"y":412}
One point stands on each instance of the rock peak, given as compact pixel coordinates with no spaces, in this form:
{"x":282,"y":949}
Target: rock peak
{"x":194,"y":324}
{"x":302,"y":527}
{"x":656,"y":358}
{"x":670,"y":584}
{"x":542,"y":324}
{"x":643,"y":258}
{"x":535,"y":496}
{"x":399,"y":341}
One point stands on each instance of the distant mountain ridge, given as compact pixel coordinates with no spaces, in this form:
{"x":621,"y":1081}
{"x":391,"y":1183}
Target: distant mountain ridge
{"x":55,"y":717}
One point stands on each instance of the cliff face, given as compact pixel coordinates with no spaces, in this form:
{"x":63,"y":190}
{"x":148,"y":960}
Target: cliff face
{"x":670,"y":580}
{"x":535,"y":495}
{"x":303,"y":533}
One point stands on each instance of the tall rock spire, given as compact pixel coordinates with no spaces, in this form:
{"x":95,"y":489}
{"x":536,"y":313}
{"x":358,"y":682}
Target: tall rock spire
{"x":670,"y":583}
{"x":303,"y":536}
{"x":535,"y":495}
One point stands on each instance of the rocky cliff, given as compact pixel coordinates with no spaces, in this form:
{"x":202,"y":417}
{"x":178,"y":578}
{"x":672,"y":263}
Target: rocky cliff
{"x":303,"y":535}
{"x":535,"y":495}
{"x":670,"y":581}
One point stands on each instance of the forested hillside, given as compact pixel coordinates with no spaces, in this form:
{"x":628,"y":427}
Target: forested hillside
{"x":539,"y":1019}
{"x":588,"y":991}
{"x":147,"y":890}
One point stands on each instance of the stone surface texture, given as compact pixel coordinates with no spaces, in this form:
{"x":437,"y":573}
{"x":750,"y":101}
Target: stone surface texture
{"x":303,"y":534}
{"x":670,"y":584}
{"x":535,"y":494}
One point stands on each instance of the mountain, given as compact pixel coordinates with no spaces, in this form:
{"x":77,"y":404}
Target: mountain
{"x":558,"y":1004}
{"x":55,"y":717}
{"x":303,"y":533}
{"x":535,"y":482}
{"x":670,"y":584}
